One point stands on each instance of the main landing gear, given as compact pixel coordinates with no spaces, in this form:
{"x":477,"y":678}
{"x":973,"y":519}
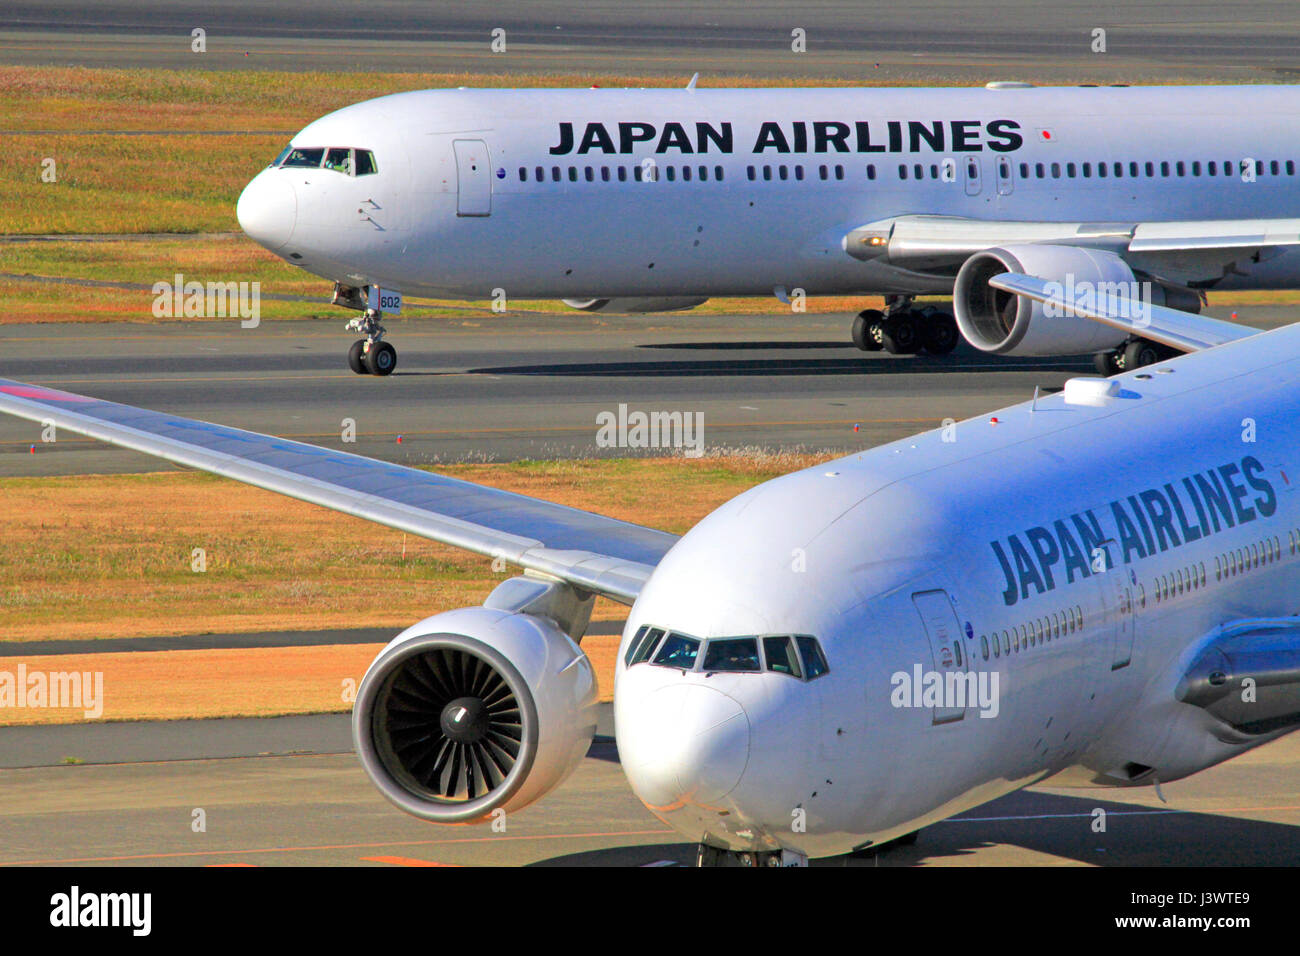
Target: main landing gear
{"x":905,"y":330}
{"x":1133,"y":354}
{"x":371,"y":355}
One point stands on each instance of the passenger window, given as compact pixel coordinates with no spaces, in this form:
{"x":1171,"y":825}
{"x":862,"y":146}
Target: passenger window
{"x":677,"y":651}
{"x":984,"y":646}
{"x":306,"y":158}
{"x":733,"y":654}
{"x":814,"y":662}
{"x":781,"y":656}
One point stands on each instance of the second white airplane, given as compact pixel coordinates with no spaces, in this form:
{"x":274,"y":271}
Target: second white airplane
{"x":644,"y":200}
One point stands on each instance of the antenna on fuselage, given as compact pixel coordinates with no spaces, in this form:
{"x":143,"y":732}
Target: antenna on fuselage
{"x":690,"y":87}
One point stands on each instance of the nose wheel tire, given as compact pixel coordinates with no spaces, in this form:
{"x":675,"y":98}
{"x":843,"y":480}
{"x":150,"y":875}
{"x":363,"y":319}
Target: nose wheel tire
{"x":356,"y":357}
{"x":867,"y":330}
{"x":381,"y":359}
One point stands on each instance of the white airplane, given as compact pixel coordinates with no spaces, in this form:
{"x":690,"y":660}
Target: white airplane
{"x":645,"y":200}
{"x":1097,"y":587}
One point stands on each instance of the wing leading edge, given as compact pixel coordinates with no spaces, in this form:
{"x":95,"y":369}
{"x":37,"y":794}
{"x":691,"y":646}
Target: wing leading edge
{"x":604,"y":555}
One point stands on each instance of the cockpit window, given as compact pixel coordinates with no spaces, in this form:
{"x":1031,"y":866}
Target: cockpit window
{"x":677,"y":651}
{"x":365,"y":163}
{"x":304,"y":157}
{"x":339,"y":160}
{"x":733,"y":654}
{"x":799,"y":656}
{"x":814,"y":662}
{"x":643,"y":644}
{"x":781,"y":656}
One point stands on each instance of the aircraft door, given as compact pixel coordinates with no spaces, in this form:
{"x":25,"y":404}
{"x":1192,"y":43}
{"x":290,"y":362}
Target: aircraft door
{"x":1117,"y":591}
{"x":473,"y":178}
{"x":973,"y":179}
{"x":946,"y":647}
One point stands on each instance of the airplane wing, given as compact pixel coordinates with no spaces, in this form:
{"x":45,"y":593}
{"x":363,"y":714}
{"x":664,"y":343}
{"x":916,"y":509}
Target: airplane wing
{"x":1264,"y":652}
{"x":603,"y":555}
{"x":1182,"y":252}
{"x":1180,"y":330}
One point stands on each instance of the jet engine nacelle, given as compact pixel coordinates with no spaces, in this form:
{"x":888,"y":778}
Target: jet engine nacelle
{"x":637,"y":304}
{"x":1008,"y":324}
{"x":474,"y":710}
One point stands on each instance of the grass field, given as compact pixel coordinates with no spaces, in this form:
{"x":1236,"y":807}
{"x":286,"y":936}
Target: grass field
{"x":111,"y":556}
{"x":94,"y":557}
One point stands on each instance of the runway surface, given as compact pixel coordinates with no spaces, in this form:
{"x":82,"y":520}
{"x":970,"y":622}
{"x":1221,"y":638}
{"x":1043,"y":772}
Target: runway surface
{"x":285,"y":792}
{"x":942,"y":41}
{"x":509,"y":387}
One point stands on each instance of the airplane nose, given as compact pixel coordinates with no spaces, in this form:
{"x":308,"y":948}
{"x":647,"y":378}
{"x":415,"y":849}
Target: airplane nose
{"x":268,"y":209}
{"x":683,"y":744}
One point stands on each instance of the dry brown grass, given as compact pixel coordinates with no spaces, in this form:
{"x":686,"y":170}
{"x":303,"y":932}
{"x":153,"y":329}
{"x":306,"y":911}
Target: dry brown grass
{"x":257,"y":682}
{"x":111,"y":556}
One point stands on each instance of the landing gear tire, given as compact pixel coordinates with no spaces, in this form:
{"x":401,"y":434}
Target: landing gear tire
{"x":356,"y":357}
{"x":381,"y":359}
{"x":1141,"y":352}
{"x":901,"y":335}
{"x":941,"y":334}
{"x":1107,"y":363}
{"x":867,"y":328}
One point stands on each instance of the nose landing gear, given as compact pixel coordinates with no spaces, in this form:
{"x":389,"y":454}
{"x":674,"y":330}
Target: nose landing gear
{"x":371,"y":355}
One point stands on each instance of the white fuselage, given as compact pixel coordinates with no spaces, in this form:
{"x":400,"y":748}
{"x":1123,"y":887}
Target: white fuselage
{"x":543,"y":193}
{"x":855,"y":551}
